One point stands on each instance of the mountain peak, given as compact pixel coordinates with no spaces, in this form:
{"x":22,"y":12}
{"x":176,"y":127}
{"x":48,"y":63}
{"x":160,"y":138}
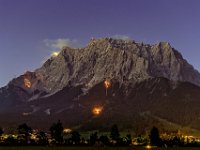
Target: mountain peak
{"x":123,"y":60}
{"x":112,"y":41}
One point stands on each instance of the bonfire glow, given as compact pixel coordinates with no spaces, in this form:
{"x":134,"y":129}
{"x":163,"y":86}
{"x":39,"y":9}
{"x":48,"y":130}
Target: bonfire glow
{"x":107,"y":83}
{"x":27,"y":83}
{"x":97,"y":110}
{"x":67,"y":130}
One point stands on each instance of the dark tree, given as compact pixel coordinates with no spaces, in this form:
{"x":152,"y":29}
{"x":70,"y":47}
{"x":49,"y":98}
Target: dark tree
{"x":57,"y":132}
{"x":155,"y":137}
{"x":24,"y":129}
{"x":129,"y":139}
{"x":104,"y":139}
{"x":42,"y":138}
{"x":10,"y":141}
{"x":115,"y":133}
{"x":177,"y":141}
{"x":75,"y":137}
{"x":1,"y":131}
{"x":24,"y":132}
{"x":93,"y":138}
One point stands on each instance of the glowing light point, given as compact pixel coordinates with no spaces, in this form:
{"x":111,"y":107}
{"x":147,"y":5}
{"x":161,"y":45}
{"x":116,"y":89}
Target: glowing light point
{"x":67,"y":130}
{"x":55,"y":54}
{"x":97,"y":110}
{"x":27,"y":83}
{"x":107,"y":84}
{"x":148,"y":147}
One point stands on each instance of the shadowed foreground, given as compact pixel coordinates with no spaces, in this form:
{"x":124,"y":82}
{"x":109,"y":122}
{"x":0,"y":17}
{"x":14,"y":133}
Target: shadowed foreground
{"x":91,"y":148}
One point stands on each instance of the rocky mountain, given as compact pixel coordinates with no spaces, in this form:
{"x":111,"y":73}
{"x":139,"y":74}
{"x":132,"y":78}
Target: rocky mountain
{"x":144,"y":79}
{"x":125,"y":61}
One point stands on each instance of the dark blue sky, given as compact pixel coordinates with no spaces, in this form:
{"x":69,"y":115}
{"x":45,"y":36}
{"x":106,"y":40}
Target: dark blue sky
{"x":31,"y":29}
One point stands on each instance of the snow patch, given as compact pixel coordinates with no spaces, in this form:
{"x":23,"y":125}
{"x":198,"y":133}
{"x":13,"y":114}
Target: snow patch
{"x":48,"y":111}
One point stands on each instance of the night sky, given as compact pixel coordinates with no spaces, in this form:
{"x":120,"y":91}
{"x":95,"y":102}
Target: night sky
{"x":30,"y":30}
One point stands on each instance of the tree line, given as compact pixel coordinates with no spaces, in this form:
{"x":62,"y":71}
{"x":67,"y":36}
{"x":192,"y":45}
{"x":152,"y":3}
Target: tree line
{"x":58,"y":137}
{"x":74,"y":138}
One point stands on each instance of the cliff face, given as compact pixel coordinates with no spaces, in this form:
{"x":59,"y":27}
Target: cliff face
{"x":125,"y":61}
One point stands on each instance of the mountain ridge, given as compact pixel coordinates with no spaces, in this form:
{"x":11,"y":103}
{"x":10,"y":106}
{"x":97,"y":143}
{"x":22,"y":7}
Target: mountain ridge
{"x":144,"y":78}
{"x":126,"y":61}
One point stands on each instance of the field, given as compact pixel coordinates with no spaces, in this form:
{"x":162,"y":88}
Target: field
{"x":90,"y":148}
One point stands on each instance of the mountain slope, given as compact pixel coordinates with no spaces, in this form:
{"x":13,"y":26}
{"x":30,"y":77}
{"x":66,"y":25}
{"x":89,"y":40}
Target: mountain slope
{"x":136,"y":107}
{"x":148,"y":82}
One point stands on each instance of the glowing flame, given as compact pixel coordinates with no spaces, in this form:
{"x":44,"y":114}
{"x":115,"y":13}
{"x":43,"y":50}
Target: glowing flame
{"x":107,"y":83}
{"x":97,"y":110}
{"x":148,"y":146}
{"x":27,"y":83}
{"x":55,"y":54}
{"x":67,"y":130}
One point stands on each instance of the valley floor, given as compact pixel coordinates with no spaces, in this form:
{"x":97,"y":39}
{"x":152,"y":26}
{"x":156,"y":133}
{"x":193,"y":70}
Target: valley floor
{"x":92,"y":148}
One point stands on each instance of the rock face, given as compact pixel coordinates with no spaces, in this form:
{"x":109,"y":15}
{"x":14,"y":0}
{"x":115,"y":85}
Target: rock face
{"x":125,"y":61}
{"x":148,"y":82}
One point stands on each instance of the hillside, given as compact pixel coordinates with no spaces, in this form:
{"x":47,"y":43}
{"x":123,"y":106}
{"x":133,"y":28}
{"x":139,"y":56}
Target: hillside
{"x":149,"y":84}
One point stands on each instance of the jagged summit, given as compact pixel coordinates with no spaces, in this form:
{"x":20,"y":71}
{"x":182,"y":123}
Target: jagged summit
{"x":120,"y":59}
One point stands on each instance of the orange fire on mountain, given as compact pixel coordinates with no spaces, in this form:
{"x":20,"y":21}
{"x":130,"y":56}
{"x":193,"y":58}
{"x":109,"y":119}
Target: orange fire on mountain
{"x":97,"y":110}
{"x":107,"y":83}
{"x":27,"y":83}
